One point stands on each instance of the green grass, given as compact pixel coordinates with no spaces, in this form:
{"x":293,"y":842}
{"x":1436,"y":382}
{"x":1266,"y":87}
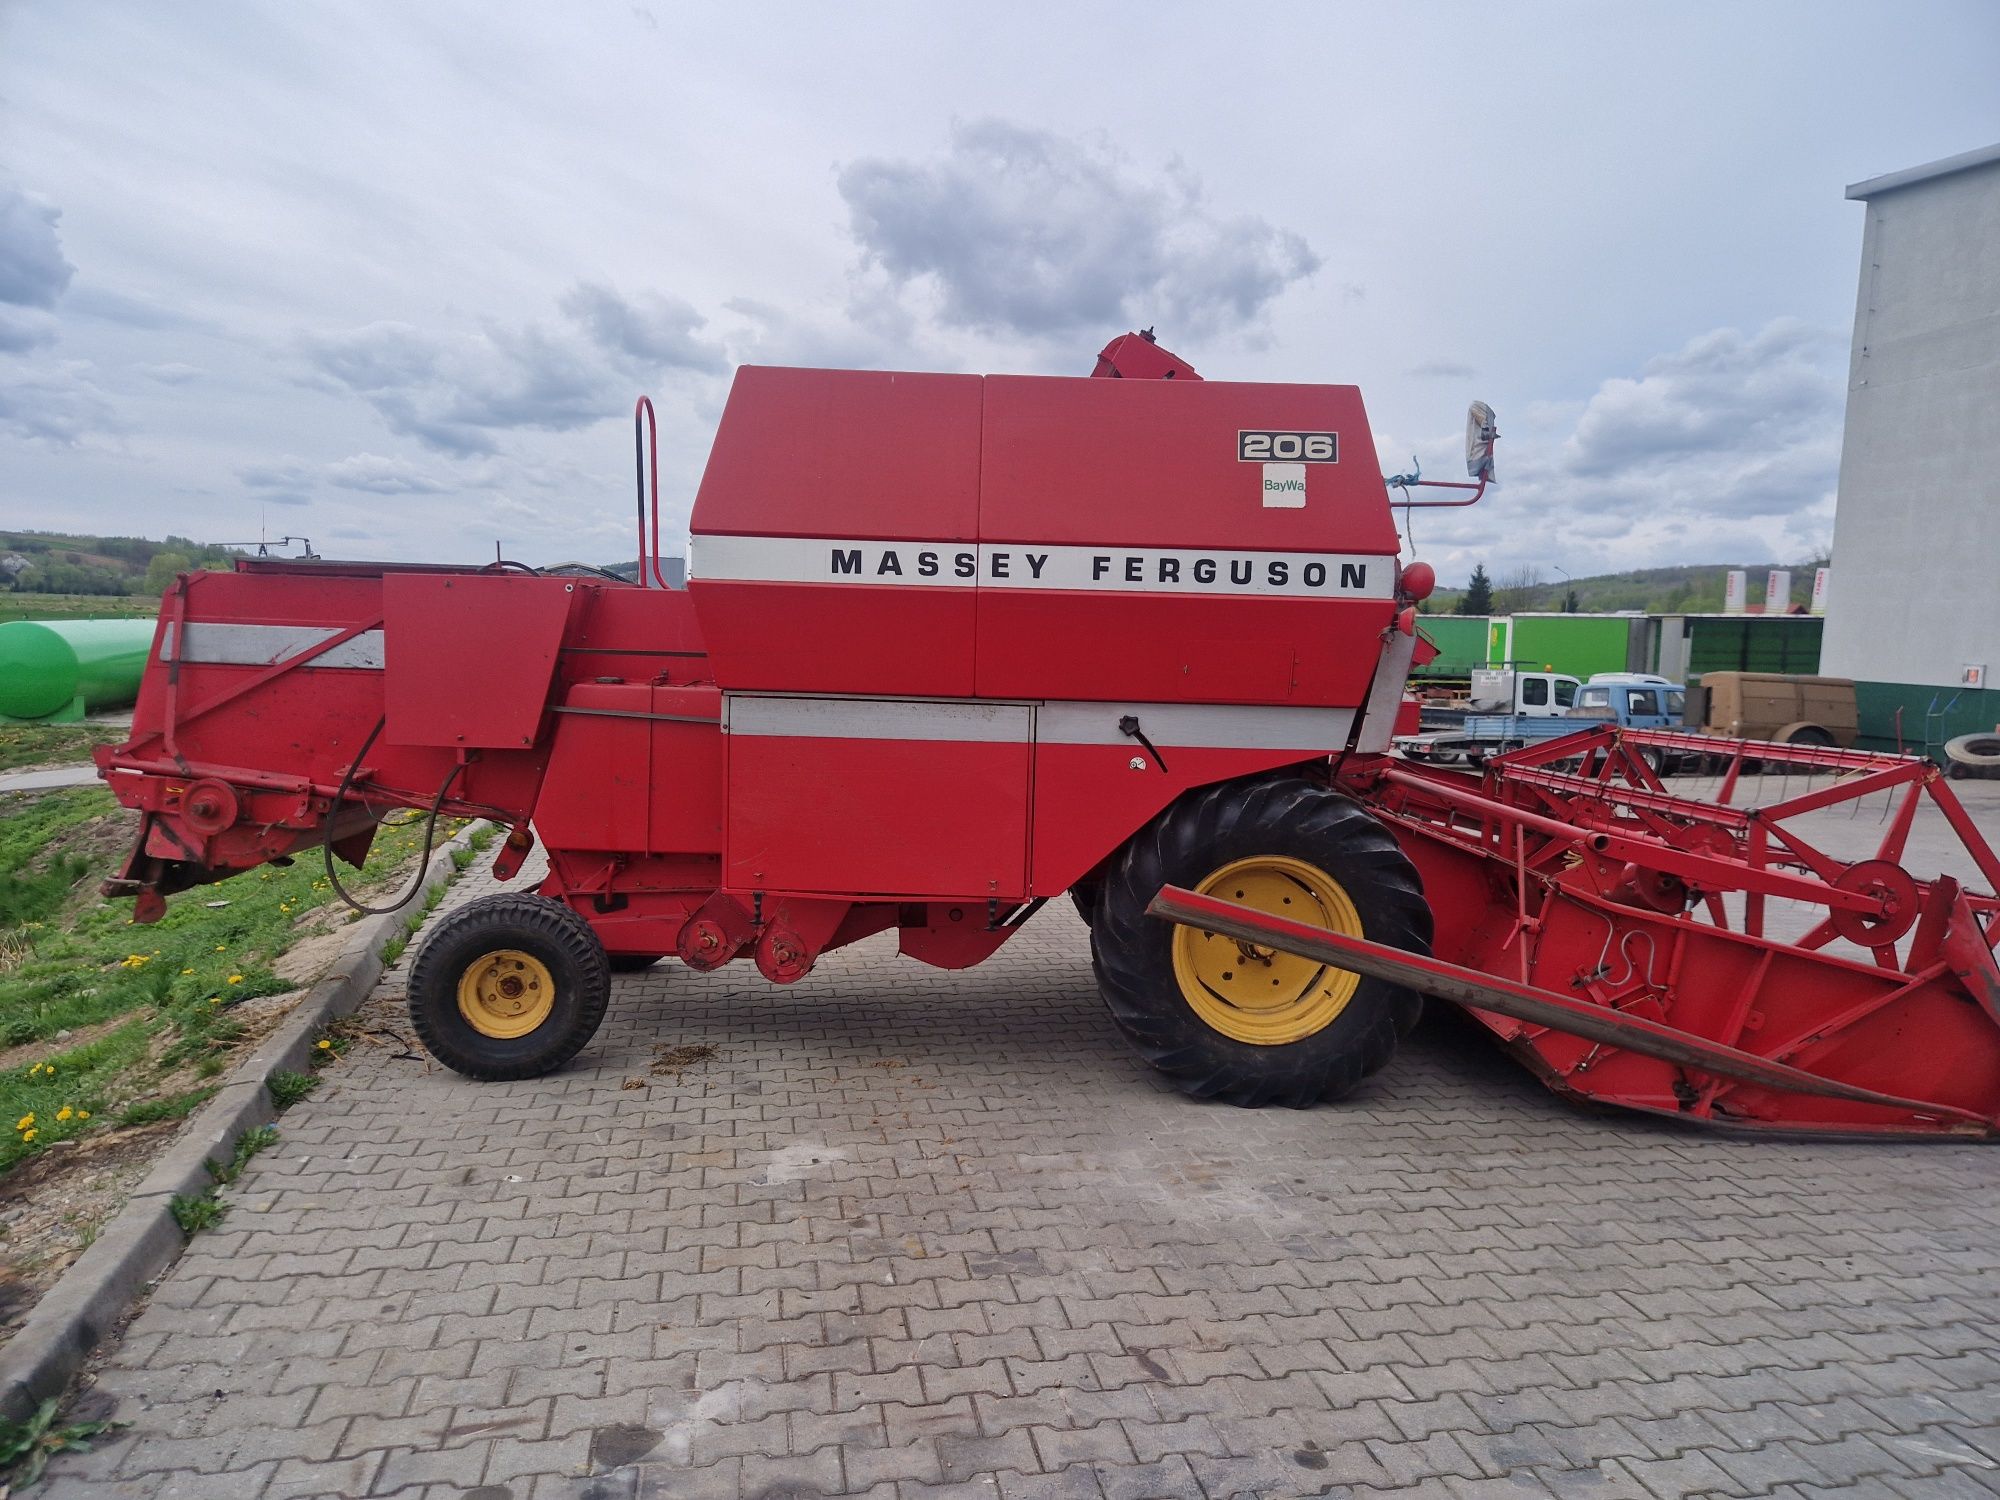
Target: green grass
{"x":63,"y":1096}
{"x":33,"y":885}
{"x":167,"y":1107}
{"x":482,"y":836}
{"x":77,"y":606}
{"x":70,"y":960}
{"x":53,"y":744}
{"x":393,"y":949}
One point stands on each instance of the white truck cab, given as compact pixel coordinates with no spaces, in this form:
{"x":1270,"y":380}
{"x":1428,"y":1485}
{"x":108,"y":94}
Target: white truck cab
{"x":1531,"y":695}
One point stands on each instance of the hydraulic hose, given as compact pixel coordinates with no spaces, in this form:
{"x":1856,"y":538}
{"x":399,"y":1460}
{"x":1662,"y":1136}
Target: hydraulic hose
{"x":430,"y":830}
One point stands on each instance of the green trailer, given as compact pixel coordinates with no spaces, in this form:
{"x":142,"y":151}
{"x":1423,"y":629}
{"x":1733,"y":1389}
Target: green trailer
{"x":1461,"y":643}
{"x":1686,"y":646}
{"x":56,"y":671}
{"x":1579,"y":644}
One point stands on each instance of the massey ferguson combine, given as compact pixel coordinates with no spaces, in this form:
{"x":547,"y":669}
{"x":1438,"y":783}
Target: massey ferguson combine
{"x":955,"y":646}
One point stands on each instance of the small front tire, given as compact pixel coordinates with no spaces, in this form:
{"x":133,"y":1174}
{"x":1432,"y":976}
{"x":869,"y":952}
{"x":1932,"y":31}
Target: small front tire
{"x":509,"y":986}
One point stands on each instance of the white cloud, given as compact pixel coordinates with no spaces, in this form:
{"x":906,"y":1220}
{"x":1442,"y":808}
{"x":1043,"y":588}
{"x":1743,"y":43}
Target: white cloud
{"x":383,"y":476}
{"x":454,"y":391}
{"x":651,"y":331}
{"x":59,"y":405}
{"x":1741,"y":424}
{"x":34,"y":272}
{"x":1024,"y":231}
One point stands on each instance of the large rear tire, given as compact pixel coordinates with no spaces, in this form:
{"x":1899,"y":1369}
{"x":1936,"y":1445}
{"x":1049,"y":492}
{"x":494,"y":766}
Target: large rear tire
{"x":1241,"y":1023}
{"x":509,"y":986}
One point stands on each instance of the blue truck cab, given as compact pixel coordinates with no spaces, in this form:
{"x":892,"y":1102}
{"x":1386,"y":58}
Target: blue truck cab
{"x":1637,"y":702}
{"x":1630,"y":699}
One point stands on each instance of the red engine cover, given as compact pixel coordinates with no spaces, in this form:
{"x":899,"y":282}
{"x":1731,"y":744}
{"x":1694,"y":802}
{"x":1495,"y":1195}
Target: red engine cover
{"x":1036,"y":537}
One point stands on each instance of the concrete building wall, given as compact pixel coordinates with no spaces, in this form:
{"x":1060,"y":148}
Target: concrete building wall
{"x":1916,"y":582}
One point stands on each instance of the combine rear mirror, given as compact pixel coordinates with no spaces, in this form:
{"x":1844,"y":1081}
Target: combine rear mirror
{"x":1479,"y":435}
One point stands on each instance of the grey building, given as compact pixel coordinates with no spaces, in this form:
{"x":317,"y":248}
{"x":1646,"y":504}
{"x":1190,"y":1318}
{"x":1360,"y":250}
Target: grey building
{"x":1914,"y":612}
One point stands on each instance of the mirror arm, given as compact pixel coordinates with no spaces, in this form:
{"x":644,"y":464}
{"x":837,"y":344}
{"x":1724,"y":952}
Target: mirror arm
{"x":1414,"y":480}
{"x":1439,"y":484}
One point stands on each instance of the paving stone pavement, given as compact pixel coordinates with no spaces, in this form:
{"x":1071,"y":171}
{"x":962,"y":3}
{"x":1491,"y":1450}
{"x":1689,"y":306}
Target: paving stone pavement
{"x":913,"y":1233}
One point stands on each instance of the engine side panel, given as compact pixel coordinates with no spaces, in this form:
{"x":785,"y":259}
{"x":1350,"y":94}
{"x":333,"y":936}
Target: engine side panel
{"x":878,"y":798}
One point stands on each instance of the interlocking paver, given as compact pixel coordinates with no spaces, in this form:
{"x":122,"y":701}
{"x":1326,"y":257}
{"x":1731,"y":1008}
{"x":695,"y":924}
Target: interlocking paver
{"x":912,"y":1233}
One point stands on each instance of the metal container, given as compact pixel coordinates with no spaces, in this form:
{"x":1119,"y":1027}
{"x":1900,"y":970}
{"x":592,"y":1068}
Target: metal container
{"x":56,"y":671}
{"x":1461,"y":643}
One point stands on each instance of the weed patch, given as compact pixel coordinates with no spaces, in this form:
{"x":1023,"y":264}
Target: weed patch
{"x":26,"y":1447}
{"x":248,"y":1145}
{"x":288,"y":1089}
{"x":195,"y":1212}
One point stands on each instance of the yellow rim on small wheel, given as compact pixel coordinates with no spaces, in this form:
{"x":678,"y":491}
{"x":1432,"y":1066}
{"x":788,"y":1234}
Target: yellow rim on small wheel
{"x":1256,"y":994}
{"x":506,"y":993}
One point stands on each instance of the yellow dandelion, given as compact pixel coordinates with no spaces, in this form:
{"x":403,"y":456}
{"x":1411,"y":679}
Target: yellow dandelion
{"x":83,"y":1114}
{"x":64,"y":1113}
{"x":187,"y":971}
{"x":215,"y":999}
{"x":29,"y":1135}
{"x":25,"y":1122}
{"x":221,"y":947}
{"x":324,"y":1045}
{"x":235,"y":978}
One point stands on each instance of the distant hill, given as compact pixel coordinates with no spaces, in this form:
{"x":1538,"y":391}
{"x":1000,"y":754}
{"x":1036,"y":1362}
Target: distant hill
{"x":54,"y":562}
{"x":1693,"y":588}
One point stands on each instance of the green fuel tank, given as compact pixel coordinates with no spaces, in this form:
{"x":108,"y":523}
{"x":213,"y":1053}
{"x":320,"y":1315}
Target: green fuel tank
{"x":56,"y":671}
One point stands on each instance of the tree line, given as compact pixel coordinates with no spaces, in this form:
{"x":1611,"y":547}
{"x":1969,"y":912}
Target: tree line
{"x":49,"y":563}
{"x":1691,"y":589}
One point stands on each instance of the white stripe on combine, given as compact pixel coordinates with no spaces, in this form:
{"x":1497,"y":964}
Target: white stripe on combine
{"x":1197,"y":726}
{"x":877,"y":719}
{"x":1169,"y":725}
{"x":266,"y":645}
{"x":1041,"y":565}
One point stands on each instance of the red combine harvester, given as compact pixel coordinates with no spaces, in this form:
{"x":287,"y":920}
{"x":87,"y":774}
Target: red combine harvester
{"x":953,"y":646}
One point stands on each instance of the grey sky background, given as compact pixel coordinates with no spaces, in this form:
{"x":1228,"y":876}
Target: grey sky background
{"x":391,"y":275}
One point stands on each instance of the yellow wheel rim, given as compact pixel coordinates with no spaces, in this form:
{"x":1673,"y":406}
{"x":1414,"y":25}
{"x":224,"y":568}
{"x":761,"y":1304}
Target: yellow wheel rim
{"x":506,"y":993}
{"x":1256,"y":994}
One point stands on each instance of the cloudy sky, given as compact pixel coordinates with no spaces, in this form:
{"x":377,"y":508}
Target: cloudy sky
{"x":390,"y":275}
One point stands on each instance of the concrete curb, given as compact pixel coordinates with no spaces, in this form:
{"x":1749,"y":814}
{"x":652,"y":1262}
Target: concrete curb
{"x":142,"y":1239}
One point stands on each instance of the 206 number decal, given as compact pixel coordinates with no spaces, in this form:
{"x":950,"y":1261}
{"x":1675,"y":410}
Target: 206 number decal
{"x":1288,"y":447}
